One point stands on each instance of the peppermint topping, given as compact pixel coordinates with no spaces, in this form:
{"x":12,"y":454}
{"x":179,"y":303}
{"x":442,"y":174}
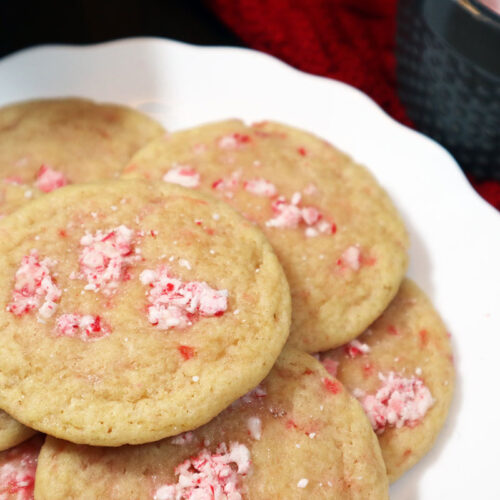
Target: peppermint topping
{"x":175,"y":303}
{"x":400,"y":401}
{"x":84,"y":327}
{"x":303,"y":483}
{"x":310,"y":189}
{"x":34,"y":287}
{"x":228,"y":184}
{"x":250,"y":397}
{"x":105,"y":258}
{"x":255,"y":394}
{"x":254,"y":425}
{"x":13,"y":180}
{"x":233,"y":141}
{"x":331,"y":366}
{"x":260,"y":187}
{"x":356,"y":348}
{"x":49,"y":179}
{"x":209,"y":476}
{"x":183,"y":175}
{"x":291,"y":215}
{"x":352,"y":257}
{"x":182,"y":439}
{"x":17,"y":472}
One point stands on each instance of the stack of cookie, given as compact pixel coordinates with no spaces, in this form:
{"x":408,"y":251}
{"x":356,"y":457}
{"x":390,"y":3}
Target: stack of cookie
{"x":227,"y":320}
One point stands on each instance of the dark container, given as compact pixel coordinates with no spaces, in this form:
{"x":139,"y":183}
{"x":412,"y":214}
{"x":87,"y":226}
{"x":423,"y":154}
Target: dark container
{"x":448,"y":72}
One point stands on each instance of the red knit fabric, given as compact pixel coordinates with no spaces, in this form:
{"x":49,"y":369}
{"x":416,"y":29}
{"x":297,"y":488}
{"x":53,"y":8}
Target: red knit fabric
{"x":349,"y":40}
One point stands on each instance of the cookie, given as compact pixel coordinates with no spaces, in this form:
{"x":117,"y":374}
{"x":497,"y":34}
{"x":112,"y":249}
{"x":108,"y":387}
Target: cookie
{"x":401,"y":370}
{"x":17,"y":470}
{"x":131,"y":312}
{"x":278,"y":441}
{"x":337,"y":234}
{"x":46,"y":144}
{"x":12,"y":432}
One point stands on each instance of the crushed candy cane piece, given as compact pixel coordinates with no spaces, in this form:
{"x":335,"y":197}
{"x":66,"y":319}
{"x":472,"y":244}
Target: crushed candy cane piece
{"x":34,"y":287}
{"x":303,"y":483}
{"x":260,"y":187}
{"x":331,"y":366}
{"x":17,"y":470}
{"x":400,"y":401}
{"x":351,"y":257}
{"x":310,"y":189}
{"x":183,"y":175}
{"x":209,"y":475}
{"x":291,"y":215}
{"x":256,"y":393}
{"x":14,"y":180}
{"x":184,"y":438}
{"x":105,"y":258}
{"x":254,"y":425}
{"x":85,"y":327}
{"x":233,"y":141}
{"x":175,"y":303}
{"x":49,"y":179}
{"x":356,"y":348}
{"x":229,"y":183}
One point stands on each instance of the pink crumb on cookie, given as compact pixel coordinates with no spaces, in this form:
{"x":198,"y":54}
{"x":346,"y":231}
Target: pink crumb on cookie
{"x":17,"y":470}
{"x":183,"y":175}
{"x":254,"y":425}
{"x":228,"y":184}
{"x":34,"y":287}
{"x":175,"y":303}
{"x":332,"y":385}
{"x":233,"y":141}
{"x":184,"y":438}
{"x":291,"y":215}
{"x":260,"y":187}
{"x":331,"y":366}
{"x":400,"y":401}
{"x":13,"y":180}
{"x":209,"y":476}
{"x":105,"y":258}
{"x":355,"y":348}
{"x":351,"y":257}
{"x":49,"y":179}
{"x":85,"y":327}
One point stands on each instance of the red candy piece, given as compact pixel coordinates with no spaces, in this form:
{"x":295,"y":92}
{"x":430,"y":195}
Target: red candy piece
{"x":355,"y":348}
{"x":332,"y":386}
{"x":186,"y":351}
{"x":49,"y":179}
{"x":184,"y":176}
{"x":233,"y":141}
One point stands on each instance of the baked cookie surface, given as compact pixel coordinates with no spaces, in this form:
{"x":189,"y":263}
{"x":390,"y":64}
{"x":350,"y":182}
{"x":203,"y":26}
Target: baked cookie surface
{"x":131,"y":312}
{"x":12,"y":432}
{"x":337,"y":234}
{"x":48,"y":143}
{"x":401,"y":370}
{"x":277,"y":442}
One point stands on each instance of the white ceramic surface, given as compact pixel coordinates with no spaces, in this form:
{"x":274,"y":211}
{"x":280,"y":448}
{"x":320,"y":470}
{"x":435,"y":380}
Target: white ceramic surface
{"x":455,"y":252}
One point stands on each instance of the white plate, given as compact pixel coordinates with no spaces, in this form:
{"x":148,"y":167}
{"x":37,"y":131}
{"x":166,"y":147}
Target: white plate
{"x":455,"y":252}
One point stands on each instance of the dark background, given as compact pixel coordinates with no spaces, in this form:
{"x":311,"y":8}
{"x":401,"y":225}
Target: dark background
{"x":25,"y":23}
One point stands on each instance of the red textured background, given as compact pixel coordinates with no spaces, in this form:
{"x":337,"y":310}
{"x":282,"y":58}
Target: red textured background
{"x":349,"y":40}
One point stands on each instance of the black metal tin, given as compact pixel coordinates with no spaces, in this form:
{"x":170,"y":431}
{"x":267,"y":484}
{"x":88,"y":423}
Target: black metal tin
{"x":448,"y":71}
